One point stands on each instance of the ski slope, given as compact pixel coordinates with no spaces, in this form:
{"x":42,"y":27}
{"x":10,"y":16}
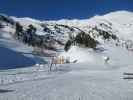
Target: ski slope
{"x":88,"y":79}
{"x":82,"y":81}
{"x":74,"y":82}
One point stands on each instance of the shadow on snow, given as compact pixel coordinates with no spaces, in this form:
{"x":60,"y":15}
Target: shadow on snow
{"x":10,"y":59}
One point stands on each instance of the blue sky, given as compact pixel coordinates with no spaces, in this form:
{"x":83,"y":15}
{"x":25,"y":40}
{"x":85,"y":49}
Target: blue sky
{"x":58,"y":9}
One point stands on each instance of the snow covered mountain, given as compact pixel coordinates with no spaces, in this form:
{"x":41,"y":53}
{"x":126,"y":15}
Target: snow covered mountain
{"x":30,"y":43}
{"x":111,"y":29}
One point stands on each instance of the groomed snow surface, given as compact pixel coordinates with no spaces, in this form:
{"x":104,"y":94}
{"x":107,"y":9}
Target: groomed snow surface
{"x":72,"y":82}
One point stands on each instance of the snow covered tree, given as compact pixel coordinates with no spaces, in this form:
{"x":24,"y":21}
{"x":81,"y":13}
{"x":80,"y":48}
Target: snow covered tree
{"x":85,"y":39}
{"x":67,"y":45}
{"x":1,"y":26}
{"x":31,"y":29}
{"x":81,"y":39}
{"x":29,"y":36}
{"x":19,"y":31}
{"x":7,"y":19}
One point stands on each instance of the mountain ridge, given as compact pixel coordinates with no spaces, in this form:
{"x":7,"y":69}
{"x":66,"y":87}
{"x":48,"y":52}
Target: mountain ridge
{"x":57,"y":33}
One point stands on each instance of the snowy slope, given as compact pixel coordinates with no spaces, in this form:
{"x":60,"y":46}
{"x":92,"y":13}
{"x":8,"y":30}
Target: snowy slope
{"x":88,"y":79}
{"x":117,"y":23}
{"x":55,"y":34}
{"x":120,"y":21}
{"x":15,"y":54}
